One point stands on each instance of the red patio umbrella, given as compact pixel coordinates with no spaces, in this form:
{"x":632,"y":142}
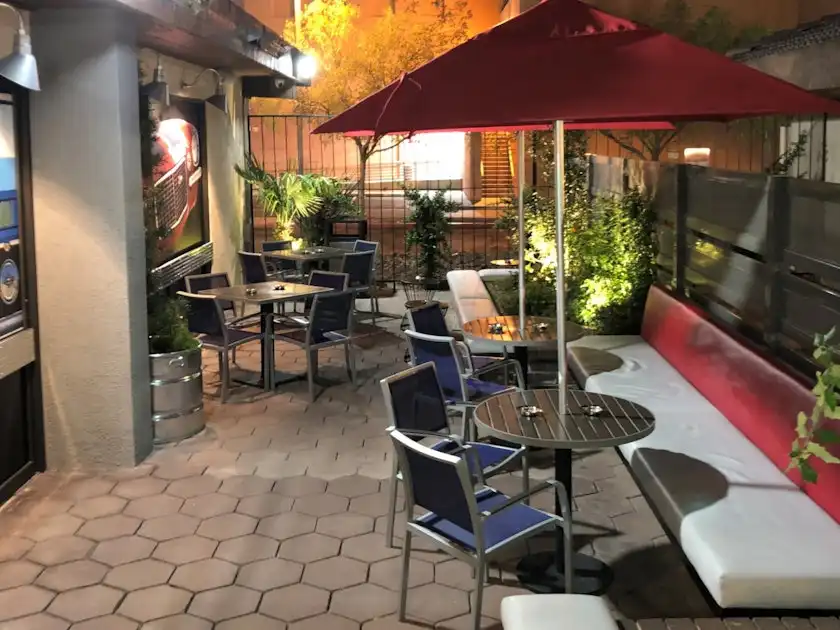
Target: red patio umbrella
{"x":565,"y":62}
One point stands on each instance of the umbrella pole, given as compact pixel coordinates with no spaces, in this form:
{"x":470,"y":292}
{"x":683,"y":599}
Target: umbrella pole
{"x":559,"y":201}
{"x":520,"y":191}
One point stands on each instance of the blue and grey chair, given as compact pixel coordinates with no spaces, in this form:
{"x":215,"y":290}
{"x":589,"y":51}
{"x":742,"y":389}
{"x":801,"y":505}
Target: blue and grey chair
{"x":254,"y":270}
{"x":416,"y":407}
{"x":429,"y":319}
{"x":330,"y":324}
{"x":460,"y":379}
{"x":317,"y":278}
{"x":286,"y":269}
{"x":473,"y":523}
{"x":207,"y":321}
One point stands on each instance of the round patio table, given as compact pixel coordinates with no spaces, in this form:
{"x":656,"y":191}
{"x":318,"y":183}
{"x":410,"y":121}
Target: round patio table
{"x":589,"y":421}
{"x":538,"y":332}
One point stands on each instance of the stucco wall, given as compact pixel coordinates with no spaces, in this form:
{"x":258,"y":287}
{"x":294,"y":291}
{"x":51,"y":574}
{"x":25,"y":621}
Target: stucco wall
{"x":225,"y":143}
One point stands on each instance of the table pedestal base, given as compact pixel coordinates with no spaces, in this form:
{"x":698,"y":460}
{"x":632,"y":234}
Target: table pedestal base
{"x":539,"y":574}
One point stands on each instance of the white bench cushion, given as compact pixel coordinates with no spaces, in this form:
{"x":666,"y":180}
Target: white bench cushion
{"x":472,"y":301}
{"x":556,"y":612}
{"x":754,"y":539}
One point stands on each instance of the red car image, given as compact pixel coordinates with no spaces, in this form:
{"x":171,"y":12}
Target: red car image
{"x":178,"y":174}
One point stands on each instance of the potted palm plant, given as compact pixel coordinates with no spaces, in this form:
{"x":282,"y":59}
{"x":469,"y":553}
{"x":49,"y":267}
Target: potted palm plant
{"x":288,"y":197}
{"x":174,"y":353}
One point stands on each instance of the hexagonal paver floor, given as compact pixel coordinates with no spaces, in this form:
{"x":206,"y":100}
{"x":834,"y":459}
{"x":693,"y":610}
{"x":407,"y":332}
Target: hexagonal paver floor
{"x":274,"y":517}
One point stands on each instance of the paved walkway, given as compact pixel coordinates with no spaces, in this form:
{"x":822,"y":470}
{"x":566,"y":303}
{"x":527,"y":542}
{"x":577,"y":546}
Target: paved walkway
{"x":274,"y":517}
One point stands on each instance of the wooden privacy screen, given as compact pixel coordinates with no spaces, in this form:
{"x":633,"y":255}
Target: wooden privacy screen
{"x":761,"y":254}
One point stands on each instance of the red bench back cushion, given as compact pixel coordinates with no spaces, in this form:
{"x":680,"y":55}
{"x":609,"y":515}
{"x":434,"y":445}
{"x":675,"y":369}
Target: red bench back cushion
{"x":755,"y":396}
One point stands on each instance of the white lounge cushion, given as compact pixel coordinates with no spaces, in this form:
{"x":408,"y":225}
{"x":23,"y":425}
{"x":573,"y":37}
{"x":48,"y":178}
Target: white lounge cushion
{"x":754,"y":539}
{"x":472,"y":301}
{"x":556,"y":612}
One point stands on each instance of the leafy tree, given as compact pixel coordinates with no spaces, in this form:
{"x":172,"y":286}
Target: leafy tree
{"x":355,"y":59}
{"x":714,"y":30}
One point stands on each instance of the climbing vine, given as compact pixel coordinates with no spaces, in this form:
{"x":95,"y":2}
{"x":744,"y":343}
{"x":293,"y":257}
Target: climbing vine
{"x":817,"y":434}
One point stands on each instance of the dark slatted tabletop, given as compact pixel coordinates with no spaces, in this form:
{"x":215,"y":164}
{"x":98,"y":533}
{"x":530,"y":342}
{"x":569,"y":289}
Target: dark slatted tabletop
{"x":589,"y":421}
{"x":537,"y":332}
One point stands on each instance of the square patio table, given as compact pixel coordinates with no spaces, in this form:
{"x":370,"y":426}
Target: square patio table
{"x":265,"y":295}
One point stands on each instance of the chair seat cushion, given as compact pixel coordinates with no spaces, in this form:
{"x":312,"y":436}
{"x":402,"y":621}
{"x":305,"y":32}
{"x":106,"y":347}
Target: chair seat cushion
{"x":479,"y":390}
{"x":553,"y":612}
{"x":755,"y":539}
{"x":235,"y":338}
{"x":497,"y":528}
{"x":489,"y":455}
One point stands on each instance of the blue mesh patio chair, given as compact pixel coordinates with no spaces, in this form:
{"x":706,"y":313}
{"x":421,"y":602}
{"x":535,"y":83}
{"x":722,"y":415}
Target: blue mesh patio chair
{"x":318,"y":278}
{"x":359,"y":267}
{"x":286,"y":269}
{"x":429,"y":319}
{"x":201,"y":282}
{"x":461,"y":381}
{"x":207,"y":321}
{"x":416,"y":406}
{"x":473,"y":523}
{"x":253,"y":268}
{"x":330,"y":324}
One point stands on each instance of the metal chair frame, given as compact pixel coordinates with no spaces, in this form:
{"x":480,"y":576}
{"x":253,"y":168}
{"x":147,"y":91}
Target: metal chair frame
{"x":483,"y":555}
{"x":312,"y":349}
{"x":227,"y":346}
{"x":517,"y":455}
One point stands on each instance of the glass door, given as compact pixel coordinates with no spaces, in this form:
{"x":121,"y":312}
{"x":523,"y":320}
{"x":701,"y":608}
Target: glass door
{"x":21,"y":449}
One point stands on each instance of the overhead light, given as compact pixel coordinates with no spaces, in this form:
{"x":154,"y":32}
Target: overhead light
{"x":158,"y":89}
{"x":219,"y":98}
{"x":307,"y":66}
{"x":20,"y":66}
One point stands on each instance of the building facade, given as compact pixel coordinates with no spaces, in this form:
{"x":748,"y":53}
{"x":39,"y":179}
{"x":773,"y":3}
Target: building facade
{"x":74,"y":368}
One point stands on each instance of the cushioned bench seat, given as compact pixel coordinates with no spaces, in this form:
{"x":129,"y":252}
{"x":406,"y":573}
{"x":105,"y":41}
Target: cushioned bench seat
{"x":556,"y":612}
{"x":755,"y":539}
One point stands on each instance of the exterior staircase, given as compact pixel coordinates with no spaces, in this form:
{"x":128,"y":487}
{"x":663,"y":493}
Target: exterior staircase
{"x":496,"y":167}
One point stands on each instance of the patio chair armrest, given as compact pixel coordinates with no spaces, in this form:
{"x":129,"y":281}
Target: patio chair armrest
{"x":559,"y":491}
{"x":466,"y":356}
{"x":504,"y":363}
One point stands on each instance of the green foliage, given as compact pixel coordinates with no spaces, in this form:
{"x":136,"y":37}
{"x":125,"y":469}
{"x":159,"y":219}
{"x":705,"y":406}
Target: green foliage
{"x":783,"y":164}
{"x":166,"y":316}
{"x":817,"y":435}
{"x":336,"y":203}
{"x":287,"y":197}
{"x":610,"y":248}
{"x":430,"y":229}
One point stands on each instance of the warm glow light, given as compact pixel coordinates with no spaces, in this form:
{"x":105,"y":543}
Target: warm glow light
{"x":697,"y":155}
{"x":297,"y":244}
{"x":307,"y":66}
{"x":171,"y":132}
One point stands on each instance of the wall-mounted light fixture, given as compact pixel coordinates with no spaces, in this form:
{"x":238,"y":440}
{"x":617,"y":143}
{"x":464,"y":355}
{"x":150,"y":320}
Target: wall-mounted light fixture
{"x":20,"y":66}
{"x":158,"y":89}
{"x":219,"y":98}
{"x":306,"y":66}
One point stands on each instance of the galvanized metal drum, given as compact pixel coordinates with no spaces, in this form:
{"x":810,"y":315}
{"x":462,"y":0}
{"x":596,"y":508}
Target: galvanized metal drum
{"x":177,"y":388}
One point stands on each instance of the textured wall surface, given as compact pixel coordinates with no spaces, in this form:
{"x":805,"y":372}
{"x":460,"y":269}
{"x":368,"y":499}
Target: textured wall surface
{"x":89,"y":240}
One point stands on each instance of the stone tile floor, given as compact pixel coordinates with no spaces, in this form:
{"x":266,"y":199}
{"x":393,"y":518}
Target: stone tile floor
{"x":274,"y":518}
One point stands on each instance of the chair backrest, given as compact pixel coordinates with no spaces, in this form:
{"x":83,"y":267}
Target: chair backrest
{"x":359,"y":266}
{"x":437,"y":482}
{"x":253,"y":267}
{"x":443,"y":352}
{"x":429,"y":320}
{"x":204,"y":315}
{"x":414,"y":400}
{"x":276,"y":246}
{"x":204,"y":281}
{"x":365,"y":246}
{"x":470,"y":295}
{"x":329,"y":279}
{"x":331,"y":312}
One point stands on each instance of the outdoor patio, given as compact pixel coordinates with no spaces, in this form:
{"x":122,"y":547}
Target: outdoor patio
{"x":274,"y":516}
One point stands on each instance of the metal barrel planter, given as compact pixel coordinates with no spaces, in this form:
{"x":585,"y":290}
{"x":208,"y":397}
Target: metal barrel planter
{"x":177,"y":395}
